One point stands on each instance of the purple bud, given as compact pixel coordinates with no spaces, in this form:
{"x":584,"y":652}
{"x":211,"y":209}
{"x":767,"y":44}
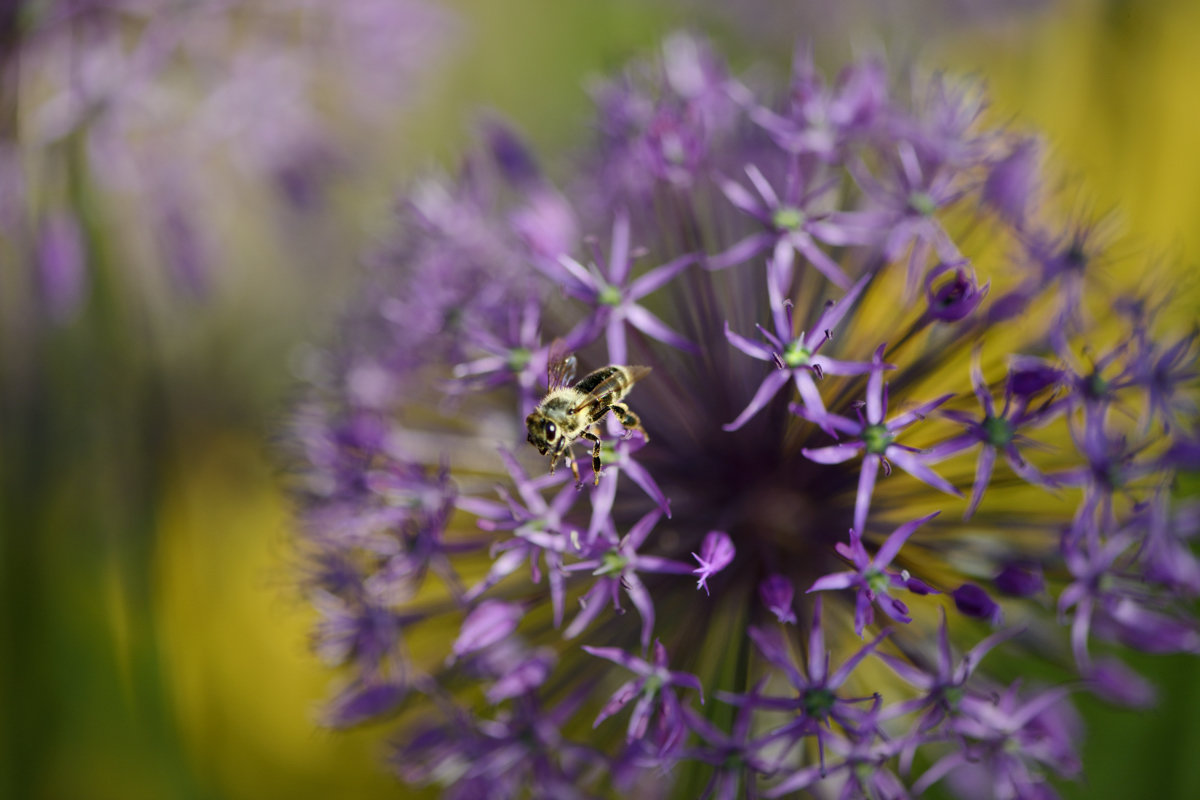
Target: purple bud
{"x":1031,"y":375}
{"x":359,"y":704}
{"x":955,"y":298}
{"x":1020,"y":580}
{"x":1111,"y":680}
{"x":489,"y":623}
{"x":777,"y":592}
{"x":918,"y":586}
{"x":510,"y":154}
{"x":62,"y":266}
{"x":972,"y":601}
{"x":715,"y":554}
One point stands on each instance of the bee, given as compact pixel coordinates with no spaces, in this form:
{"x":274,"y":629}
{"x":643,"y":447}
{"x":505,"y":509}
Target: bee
{"x":567,"y":413}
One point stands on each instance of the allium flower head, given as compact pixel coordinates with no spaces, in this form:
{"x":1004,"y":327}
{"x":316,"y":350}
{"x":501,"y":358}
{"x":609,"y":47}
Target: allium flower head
{"x":766,"y":259}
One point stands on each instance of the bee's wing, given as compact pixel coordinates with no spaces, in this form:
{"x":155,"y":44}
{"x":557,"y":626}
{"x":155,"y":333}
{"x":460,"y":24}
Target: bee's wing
{"x":560,"y":365}
{"x":612,"y":383}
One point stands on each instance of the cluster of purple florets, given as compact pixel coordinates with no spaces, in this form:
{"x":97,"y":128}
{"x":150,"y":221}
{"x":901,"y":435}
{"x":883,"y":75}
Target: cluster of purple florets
{"x":476,"y":599}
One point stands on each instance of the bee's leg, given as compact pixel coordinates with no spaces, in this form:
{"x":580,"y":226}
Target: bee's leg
{"x":630,"y":420}
{"x":596,"y":467}
{"x":574,"y":468}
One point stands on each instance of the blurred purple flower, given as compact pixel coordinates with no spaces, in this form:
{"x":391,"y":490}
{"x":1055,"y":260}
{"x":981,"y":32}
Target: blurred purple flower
{"x":404,"y":448}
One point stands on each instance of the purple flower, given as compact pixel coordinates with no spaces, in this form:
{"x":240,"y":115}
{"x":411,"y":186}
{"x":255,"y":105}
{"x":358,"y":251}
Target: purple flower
{"x":715,"y":555}
{"x":777,"y":593}
{"x":653,"y":689}
{"x":817,"y":705}
{"x":878,"y":439}
{"x":616,"y":565}
{"x":488,"y":624}
{"x":797,"y":358}
{"x":870,"y":578}
{"x":613,"y":293}
{"x":956,"y":298}
{"x":413,"y":518}
{"x":998,"y":432}
{"x":793,"y":225}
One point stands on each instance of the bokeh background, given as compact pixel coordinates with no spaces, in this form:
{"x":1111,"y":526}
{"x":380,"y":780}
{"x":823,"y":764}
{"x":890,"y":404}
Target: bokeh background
{"x":152,"y":643}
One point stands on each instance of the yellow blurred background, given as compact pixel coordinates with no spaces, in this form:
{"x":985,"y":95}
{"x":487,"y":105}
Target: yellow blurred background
{"x":173,"y":662}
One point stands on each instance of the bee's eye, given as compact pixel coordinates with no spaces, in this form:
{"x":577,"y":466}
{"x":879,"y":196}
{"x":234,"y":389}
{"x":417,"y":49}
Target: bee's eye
{"x":551,"y":431}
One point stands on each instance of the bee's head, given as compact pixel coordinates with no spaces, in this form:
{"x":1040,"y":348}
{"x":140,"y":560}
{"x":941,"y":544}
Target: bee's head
{"x":543,"y":433}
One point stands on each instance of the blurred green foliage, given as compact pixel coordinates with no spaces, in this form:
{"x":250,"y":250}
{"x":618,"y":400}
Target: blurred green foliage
{"x":151,"y":641}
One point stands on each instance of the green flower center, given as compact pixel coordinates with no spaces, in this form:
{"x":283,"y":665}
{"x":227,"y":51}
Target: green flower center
{"x":788,"y":218}
{"x":818,"y":703}
{"x":612,"y":562}
{"x":877,"y":581}
{"x":796,"y":354}
{"x":877,"y":438}
{"x":1095,"y":386}
{"x":953,"y":695}
{"x":518,"y":359}
{"x":610,"y":296}
{"x":1114,"y":476}
{"x":922,"y":203}
{"x":999,"y":431}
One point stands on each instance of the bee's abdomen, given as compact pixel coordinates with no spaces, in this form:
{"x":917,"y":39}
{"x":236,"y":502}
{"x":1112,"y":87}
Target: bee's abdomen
{"x":594,"y":379}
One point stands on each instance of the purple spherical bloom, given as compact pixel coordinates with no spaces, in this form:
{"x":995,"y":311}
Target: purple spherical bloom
{"x":741,"y":460}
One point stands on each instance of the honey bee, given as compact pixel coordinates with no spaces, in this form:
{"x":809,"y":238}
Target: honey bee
{"x":567,"y":413}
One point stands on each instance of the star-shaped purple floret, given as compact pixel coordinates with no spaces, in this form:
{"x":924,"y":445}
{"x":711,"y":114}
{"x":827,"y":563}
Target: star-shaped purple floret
{"x":613,"y":293}
{"x":871,"y":579}
{"x":616,"y":566}
{"x":998,"y":433}
{"x":653,"y":688}
{"x":540,"y":530}
{"x":816,"y":703}
{"x":793,"y":224}
{"x":796,"y":358}
{"x":878,"y":439}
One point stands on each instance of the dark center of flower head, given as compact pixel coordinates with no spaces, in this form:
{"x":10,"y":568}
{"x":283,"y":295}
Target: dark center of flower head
{"x":999,"y":431}
{"x":788,"y":218}
{"x":1094,"y":387}
{"x":818,"y":702}
{"x":1076,"y":257}
{"x":953,"y":695}
{"x":877,"y":438}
